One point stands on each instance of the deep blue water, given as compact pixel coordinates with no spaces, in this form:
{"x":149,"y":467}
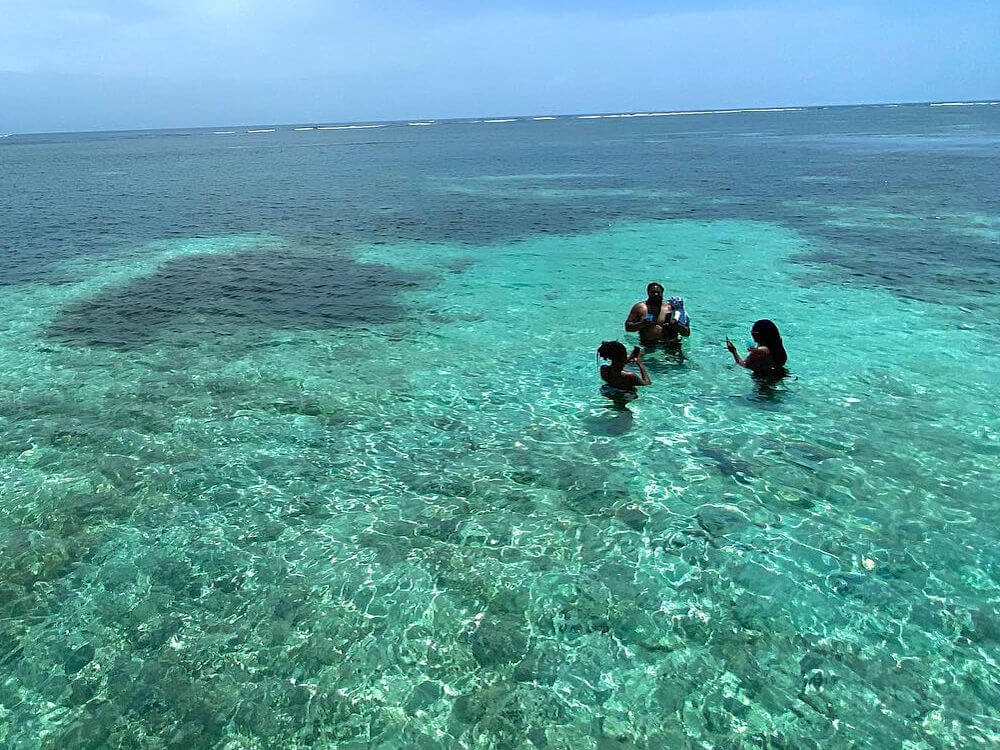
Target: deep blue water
{"x":83,"y":193}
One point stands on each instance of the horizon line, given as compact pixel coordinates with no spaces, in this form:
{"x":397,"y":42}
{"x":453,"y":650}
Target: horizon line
{"x":512,"y":118}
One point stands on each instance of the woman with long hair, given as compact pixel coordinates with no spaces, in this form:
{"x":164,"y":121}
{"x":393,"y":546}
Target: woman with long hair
{"x":767,"y":356}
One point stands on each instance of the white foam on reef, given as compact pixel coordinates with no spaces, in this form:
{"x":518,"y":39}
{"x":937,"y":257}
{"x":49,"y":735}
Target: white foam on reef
{"x":224,"y":132}
{"x":348,"y":127}
{"x":262,"y":130}
{"x":709,"y":112}
{"x":543,"y":118}
{"x":309,"y":128}
{"x":508,"y":119}
{"x":688,"y":112}
{"x":429,"y":122}
{"x":960,"y":104}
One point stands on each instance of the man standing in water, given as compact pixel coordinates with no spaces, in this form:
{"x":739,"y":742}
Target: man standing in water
{"x":657,"y":321}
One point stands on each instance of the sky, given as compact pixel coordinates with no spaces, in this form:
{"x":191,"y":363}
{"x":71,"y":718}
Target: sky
{"x":68,"y":65}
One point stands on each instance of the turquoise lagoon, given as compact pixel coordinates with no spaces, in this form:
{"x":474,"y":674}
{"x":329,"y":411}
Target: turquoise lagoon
{"x":302,"y":443}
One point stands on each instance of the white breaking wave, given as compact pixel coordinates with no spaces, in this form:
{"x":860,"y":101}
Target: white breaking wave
{"x":509,"y":119}
{"x":543,"y":118}
{"x":711,"y":112}
{"x":960,"y":104}
{"x":262,"y":130}
{"x":429,"y":122}
{"x":348,"y":127}
{"x":224,"y":132}
{"x":589,"y":117}
{"x":309,"y":128}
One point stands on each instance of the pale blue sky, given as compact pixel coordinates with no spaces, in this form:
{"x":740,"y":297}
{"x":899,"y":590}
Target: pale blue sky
{"x":110,"y":64}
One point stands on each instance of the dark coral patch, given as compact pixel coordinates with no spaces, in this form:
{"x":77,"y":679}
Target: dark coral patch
{"x":247,"y":294}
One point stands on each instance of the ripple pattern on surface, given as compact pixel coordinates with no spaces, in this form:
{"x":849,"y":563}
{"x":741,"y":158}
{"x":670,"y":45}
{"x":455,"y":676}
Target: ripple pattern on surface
{"x":435,"y":532}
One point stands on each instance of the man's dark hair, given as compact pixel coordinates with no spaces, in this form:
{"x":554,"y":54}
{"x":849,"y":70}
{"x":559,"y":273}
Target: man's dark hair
{"x":651,"y":284}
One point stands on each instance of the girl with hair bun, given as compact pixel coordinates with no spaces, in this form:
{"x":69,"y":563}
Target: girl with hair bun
{"x":619,"y":382}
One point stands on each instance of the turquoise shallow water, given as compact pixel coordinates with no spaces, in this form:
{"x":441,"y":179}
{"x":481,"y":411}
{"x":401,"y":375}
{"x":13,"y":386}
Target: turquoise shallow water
{"x":288,"y":486}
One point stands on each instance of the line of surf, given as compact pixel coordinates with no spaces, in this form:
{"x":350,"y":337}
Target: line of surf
{"x":681,"y":113}
{"x":622,"y":115}
{"x":348,"y":127}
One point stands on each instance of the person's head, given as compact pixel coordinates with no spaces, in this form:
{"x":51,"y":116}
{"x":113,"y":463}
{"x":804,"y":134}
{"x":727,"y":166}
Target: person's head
{"x":765,"y":333}
{"x":614,"y":351}
{"x":654,"y":290}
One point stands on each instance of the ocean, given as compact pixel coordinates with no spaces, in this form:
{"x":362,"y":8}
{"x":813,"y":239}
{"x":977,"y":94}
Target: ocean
{"x":302,"y":442}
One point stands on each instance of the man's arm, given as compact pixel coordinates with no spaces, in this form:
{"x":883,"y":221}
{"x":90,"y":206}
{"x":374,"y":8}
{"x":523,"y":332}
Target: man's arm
{"x":636,"y":320}
{"x":681,"y":321}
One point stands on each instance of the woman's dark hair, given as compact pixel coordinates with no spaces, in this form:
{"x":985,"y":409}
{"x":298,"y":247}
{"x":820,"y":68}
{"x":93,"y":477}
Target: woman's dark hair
{"x":613,"y":350}
{"x":766,"y":332}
